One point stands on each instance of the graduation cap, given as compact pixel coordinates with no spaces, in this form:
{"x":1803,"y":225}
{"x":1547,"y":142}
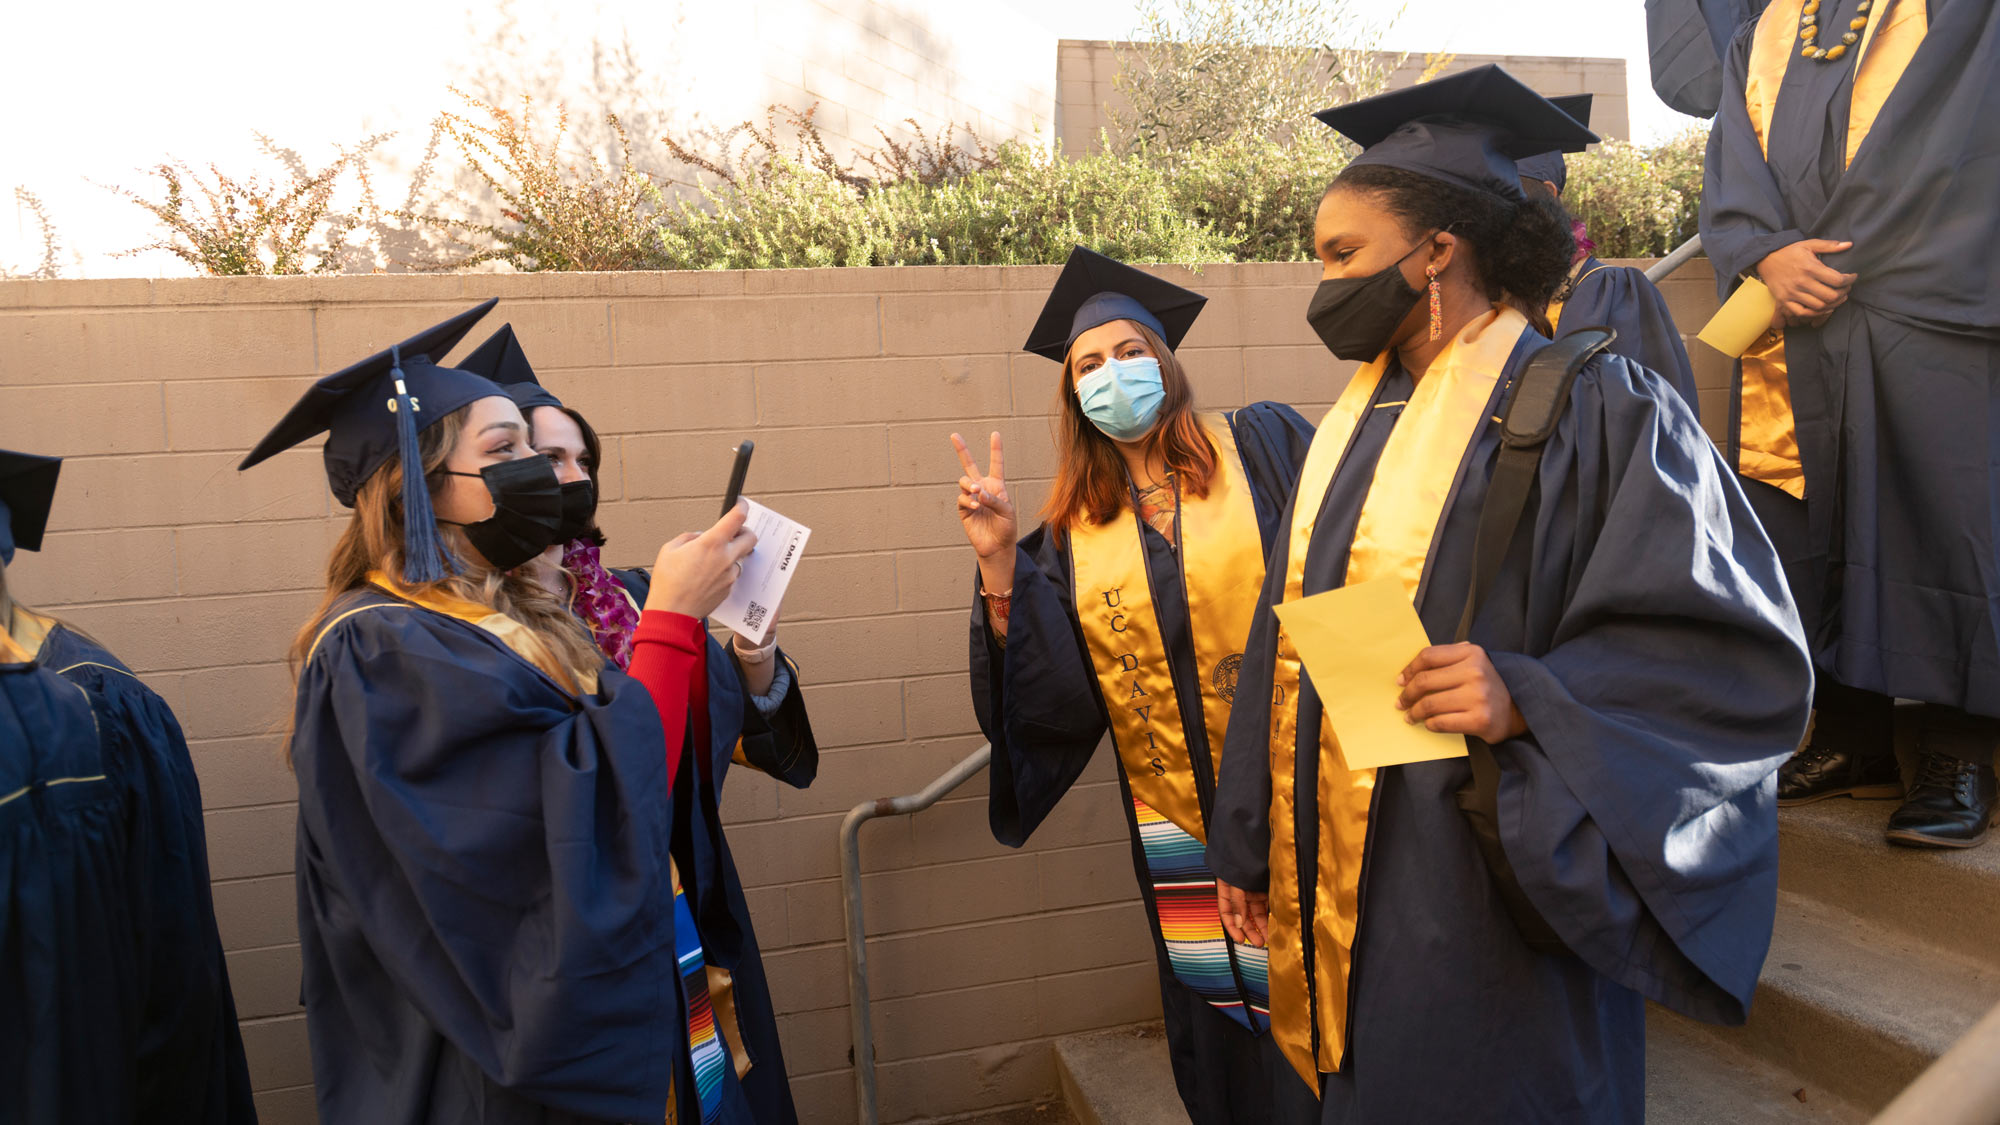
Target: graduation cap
{"x":1549,"y":166}
{"x":372,"y":411}
{"x":1095,"y":290}
{"x":1468,"y":129}
{"x":501,"y":359}
{"x":27,"y":488}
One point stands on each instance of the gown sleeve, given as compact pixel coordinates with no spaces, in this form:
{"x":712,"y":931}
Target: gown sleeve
{"x":191,"y":1066}
{"x":1639,"y":811}
{"x":479,"y":847}
{"x":1743,"y":214}
{"x":1036,"y":698}
{"x":1239,"y":830}
{"x":1272,"y":439}
{"x":1620,"y":298}
{"x":777,"y":733}
{"x":667,"y":654}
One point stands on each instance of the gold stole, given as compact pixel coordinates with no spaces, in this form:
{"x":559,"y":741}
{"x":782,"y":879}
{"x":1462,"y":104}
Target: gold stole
{"x":516,"y":636}
{"x":1222,"y":570}
{"x":1767,"y":439}
{"x":1405,"y":506}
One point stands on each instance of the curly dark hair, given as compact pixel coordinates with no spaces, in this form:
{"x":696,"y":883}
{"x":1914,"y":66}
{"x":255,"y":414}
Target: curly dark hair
{"x":1521,"y":251}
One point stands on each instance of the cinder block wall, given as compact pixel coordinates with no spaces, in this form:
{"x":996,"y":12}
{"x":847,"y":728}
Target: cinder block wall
{"x":850,"y":381}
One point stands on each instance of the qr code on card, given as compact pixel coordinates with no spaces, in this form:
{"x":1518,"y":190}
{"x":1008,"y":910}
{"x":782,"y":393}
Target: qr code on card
{"x":753,"y":617}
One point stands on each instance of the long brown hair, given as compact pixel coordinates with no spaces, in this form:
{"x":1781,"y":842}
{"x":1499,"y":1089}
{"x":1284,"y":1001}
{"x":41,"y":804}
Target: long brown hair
{"x":1092,"y":482}
{"x":593,"y":460}
{"x":373,"y":540}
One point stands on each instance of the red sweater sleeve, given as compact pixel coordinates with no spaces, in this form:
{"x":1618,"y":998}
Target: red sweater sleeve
{"x":670,"y":657}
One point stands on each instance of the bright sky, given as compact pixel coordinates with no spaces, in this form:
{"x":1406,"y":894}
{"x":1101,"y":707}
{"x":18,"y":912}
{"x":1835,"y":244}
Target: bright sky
{"x":95,"y":92}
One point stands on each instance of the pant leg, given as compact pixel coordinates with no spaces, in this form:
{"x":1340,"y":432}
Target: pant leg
{"x":1958,"y":734}
{"x":1860,"y":722}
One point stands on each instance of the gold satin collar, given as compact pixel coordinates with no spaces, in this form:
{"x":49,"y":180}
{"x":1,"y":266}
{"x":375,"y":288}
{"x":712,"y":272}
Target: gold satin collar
{"x":524,"y":642}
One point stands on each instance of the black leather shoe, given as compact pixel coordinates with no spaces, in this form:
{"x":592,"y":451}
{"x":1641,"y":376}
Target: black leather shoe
{"x":1820,"y":770}
{"x":1950,"y":806}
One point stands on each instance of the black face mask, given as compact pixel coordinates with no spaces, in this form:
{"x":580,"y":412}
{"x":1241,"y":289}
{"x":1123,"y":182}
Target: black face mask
{"x":1356,"y":316}
{"x":579,"y":510}
{"x":527,"y":514}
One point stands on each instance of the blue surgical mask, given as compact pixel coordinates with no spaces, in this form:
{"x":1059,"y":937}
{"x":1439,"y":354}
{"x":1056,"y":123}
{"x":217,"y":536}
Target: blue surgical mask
{"x":1123,"y":397}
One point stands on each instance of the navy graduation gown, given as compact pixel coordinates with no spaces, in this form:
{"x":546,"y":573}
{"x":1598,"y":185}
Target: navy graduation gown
{"x":1039,"y":705}
{"x":1621,"y":298}
{"x":190,"y":1064}
{"x":1686,"y":40}
{"x":1893,"y":398}
{"x":71,"y":949}
{"x":781,"y":745}
{"x":1642,"y":626}
{"x":485,"y":909}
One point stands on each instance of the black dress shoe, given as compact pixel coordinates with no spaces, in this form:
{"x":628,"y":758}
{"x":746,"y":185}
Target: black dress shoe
{"x":1821,"y":770}
{"x":1950,"y":806}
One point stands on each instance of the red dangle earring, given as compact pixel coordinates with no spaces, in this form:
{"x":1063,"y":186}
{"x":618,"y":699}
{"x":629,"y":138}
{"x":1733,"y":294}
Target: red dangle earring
{"x":1437,"y":307}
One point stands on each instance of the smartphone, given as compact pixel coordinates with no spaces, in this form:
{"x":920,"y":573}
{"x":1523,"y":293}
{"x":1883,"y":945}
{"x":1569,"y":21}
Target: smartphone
{"x":737,"y":472}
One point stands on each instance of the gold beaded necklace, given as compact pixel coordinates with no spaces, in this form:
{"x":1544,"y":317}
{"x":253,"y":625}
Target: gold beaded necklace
{"x":1809,"y":33}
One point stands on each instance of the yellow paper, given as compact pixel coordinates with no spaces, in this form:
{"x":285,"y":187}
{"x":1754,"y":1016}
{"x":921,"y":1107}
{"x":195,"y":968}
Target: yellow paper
{"x":1355,"y":641}
{"x":1741,"y":321}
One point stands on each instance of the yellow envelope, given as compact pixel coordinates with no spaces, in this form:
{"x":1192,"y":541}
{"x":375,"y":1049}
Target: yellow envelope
{"x":1355,"y":641}
{"x":1741,"y":321}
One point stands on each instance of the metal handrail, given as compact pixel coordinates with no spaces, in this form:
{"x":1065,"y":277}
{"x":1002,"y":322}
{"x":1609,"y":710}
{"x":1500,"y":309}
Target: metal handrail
{"x":859,"y":1020}
{"x":1961,"y":1088}
{"x":1681,"y":255}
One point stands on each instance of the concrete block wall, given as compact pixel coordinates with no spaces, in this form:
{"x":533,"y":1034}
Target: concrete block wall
{"x":1087,"y":71}
{"x":850,"y":381}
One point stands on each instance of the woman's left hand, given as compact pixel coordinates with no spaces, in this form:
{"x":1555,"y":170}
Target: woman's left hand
{"x":1454,"y":689}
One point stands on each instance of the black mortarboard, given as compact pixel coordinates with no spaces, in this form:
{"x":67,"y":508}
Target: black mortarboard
{"x":1467,"y":129}
{"x":501,"y":359}
{"x":372,"y":411}
{"x":1550,"y":166}
{"x":1094,"y":290}
{"x":27,"y":488}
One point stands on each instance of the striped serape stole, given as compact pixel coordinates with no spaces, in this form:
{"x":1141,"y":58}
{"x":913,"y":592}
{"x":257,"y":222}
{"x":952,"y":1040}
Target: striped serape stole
{"x":1229,"y":975}
{"x":711,"y":1057}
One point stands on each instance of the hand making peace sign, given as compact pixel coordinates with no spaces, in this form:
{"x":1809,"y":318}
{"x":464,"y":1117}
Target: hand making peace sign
{"x":983,"y":504}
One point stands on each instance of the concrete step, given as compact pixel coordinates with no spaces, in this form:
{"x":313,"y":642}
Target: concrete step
{"x":1119,"y":1077}
{"x":1122,"y":1077}
{"x":1695,"y":1078}
{"x":1833,"y":852}
{"x":1856,"y":1009}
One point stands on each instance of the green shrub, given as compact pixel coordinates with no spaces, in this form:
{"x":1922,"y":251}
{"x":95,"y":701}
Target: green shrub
{"x":1259,"y":195}
{"x":1027,"y":208}
{"x":555,"y":212}
{"x":776,"y":200}
{"x":237,"y":225}
{"x":1638,"y":201}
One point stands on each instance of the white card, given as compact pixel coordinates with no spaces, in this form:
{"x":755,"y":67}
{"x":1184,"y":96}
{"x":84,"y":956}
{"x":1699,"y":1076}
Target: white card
{"x":754,"y":600}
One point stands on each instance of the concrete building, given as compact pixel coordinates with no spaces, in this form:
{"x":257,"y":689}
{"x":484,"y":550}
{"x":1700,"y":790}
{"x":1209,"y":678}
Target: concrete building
{"x":1087,"y":93}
